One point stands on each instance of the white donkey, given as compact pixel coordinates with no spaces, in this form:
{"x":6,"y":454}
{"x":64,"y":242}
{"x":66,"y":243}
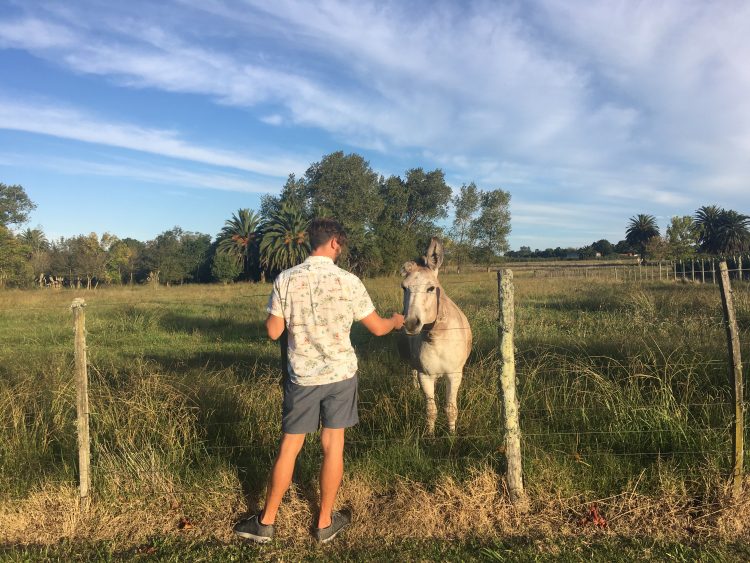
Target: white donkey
{"x":437,"y":336}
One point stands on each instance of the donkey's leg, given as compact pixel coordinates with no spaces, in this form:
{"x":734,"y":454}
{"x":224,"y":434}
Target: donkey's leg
{"x":415,"y":378}
{"x":428,"y":388}
{"x":451,"y":394}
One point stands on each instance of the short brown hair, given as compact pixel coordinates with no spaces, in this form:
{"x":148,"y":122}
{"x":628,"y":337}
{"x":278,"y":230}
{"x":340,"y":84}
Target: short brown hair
{"x":324,"y":229}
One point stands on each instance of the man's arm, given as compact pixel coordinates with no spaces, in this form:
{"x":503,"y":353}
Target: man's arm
{"x":380,"y":326}
{"x":274,"y":326}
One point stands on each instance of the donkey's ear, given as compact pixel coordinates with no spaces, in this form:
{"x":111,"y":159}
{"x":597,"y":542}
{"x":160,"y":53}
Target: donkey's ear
{"x":434,"y":256}
{"x":408,"y":267}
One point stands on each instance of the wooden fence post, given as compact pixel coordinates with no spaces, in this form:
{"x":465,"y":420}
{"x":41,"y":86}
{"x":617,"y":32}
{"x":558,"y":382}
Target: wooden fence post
{"x":735,"y":372}
{"x":82,"y":402}
{"x":508,"y":383}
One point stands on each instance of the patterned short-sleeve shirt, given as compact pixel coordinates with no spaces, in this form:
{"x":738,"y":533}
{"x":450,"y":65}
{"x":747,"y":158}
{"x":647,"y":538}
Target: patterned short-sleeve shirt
{"x":319,"y":302}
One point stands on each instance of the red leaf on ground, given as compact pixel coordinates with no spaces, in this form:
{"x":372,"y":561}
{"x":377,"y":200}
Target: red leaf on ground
{"x":594,"y":517}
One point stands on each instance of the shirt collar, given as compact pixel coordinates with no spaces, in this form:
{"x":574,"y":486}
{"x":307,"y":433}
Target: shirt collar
{"x":319,"y":260}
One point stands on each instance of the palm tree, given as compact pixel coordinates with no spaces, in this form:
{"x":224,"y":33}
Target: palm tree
{"x":285,"y":242}
{"x":640,"y":230}
{"x":708,"y":221}
{"x":240,"y":238}
{"x":722,"y":231}
{"x":35,"y":239}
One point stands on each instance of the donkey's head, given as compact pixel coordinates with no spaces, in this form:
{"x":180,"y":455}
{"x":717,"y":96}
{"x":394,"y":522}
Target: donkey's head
{"x":422,"y":289}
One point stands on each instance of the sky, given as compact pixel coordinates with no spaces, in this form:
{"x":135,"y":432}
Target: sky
{"x":134,"y":117}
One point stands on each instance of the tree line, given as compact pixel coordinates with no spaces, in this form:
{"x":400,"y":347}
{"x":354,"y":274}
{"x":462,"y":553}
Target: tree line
{"x":711,"y":231}
{"x":388,"y":220}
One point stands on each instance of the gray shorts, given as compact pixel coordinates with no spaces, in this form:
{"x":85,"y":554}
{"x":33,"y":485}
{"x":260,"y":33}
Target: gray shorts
{"x":306,"y":407}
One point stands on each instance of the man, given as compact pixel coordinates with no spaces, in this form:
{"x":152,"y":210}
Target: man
{"x":316,"y":302}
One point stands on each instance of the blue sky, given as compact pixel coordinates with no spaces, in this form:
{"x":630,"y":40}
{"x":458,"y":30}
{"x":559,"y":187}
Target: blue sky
{"x":135,"y":117}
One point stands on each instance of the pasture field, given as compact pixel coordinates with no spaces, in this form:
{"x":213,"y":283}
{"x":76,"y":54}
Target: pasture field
{"x":624,"y":404}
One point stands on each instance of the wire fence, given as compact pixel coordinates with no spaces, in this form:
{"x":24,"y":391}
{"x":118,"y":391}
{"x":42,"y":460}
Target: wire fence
{"x":590,"y":448}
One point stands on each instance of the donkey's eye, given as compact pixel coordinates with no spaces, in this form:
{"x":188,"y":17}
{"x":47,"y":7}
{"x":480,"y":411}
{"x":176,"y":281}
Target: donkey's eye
{"x":431,"y":289}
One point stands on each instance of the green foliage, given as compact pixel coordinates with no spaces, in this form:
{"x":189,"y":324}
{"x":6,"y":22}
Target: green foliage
{"x":465,"y":207}
{"x":491,"y":228}
{"x":285,"y":241}
{"x":722,"y":231}
{"x":176,"y":256}
{"x":682,"y":237}
{"x":15,"y":270}
{"x":640,"y":230}
{"x":225,"y":268}
{"x":240,"y":238}
{"x":15,"y":205}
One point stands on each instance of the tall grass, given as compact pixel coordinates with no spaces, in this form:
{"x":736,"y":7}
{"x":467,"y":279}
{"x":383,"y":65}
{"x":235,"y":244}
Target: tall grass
{"x":623,"y":391}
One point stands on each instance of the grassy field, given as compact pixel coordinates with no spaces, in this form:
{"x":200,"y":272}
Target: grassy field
{"x":624,"y":402}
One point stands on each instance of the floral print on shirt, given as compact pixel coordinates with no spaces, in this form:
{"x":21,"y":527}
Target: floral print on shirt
{"x":319,"y":302}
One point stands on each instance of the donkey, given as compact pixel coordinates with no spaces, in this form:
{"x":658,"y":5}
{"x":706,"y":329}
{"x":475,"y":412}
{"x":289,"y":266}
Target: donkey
{"x":436,"y":339}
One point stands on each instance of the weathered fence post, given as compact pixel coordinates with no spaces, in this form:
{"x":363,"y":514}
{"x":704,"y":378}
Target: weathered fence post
{"x":735,"y":370}
{"x":82,"y":402}
{"x":508,"y":383}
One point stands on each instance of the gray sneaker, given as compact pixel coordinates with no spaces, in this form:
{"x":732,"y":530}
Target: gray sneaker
{"x":252,"y":529}
{"x":339,"y":521}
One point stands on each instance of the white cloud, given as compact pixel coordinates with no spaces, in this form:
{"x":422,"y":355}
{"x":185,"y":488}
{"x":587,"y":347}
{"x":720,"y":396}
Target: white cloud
{"x":64,"y":122}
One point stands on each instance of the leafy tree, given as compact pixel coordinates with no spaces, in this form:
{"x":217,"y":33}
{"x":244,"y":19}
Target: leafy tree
{"x":465,"y":205}
{"x":176,"y":256}
{"x":285,"y":242}
{"x":682,"y":237}
{"x":292,"y":193}
{"x":491,"y":228}
{"x":623,"y":247}
{"x":15,"y":270}
{"x":657,"y":248}
{"x":346,"y":188}
{"x":15,"y":205}
{"x":240,"y":238}
{"x":603,"y":247}
{"x":639,"y":231}
{"x":225,"y":268}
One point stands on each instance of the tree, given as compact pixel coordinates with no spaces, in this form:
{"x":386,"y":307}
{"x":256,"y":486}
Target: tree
{"x":285,"y":242}
{"x":707,"y":221}
{"x":682,"y":237}
{"x":292,"y":193}
{"x":491,"y":228}
{"x":465,"y":205}
{"x":640,"y":229}
{"x":240,"y":238}
{"x":15,"y":270}
{"x":225,"y":268}
{"x":603,"y":247}
{"x":657,"y":248}
{"x":722,"y":231}
{"x":345,"y":188}
{"x":15,"y":205}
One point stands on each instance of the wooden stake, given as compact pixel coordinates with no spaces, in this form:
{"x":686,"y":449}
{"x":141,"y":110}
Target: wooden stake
{"x":82,"y":402}
{"x":508,"y":383}
{"x":735,"y":377}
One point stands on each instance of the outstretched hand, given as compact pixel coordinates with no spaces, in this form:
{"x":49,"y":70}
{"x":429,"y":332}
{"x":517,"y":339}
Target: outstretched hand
{"x":398,"y":321}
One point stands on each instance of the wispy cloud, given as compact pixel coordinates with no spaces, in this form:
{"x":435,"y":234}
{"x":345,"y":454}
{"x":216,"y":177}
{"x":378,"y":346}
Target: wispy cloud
{"x":142,"y":172}
{"x":70,"y":123}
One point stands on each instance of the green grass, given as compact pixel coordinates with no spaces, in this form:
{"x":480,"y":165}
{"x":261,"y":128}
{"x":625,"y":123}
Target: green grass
{"x":623,"y":388}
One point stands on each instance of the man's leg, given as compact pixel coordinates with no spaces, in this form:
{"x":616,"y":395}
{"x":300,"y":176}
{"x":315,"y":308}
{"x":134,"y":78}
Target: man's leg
{"x":281,"y":475}
{"x":331,"y":471}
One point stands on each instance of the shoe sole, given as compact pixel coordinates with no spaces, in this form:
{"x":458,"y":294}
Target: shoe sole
{"x":253,"y":537}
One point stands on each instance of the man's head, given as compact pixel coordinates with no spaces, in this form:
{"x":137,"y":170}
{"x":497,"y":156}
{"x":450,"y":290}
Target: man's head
{"x":327,"y":237}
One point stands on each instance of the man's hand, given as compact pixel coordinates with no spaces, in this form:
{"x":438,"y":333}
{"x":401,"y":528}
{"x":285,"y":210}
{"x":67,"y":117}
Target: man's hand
{"x":398,"y":321}
{"x":379,"y":326}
